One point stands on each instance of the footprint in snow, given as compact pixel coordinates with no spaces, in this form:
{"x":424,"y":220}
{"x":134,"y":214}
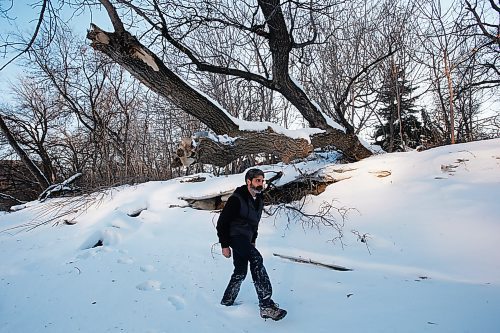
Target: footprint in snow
{"x":149,"y":285}
{"x":127,"y":261}
{"x":148,"y":268}
{"x":177,"y":301}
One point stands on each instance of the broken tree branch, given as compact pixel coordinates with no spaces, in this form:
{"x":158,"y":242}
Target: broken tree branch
{"x":313,"y":262}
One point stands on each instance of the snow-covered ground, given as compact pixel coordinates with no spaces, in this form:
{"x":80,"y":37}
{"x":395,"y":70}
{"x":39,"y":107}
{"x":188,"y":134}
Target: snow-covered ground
{"x":431,"y":262}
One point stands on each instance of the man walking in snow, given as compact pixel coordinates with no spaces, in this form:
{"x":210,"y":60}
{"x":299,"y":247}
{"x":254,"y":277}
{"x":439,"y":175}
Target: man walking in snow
{"x":237,"y":230}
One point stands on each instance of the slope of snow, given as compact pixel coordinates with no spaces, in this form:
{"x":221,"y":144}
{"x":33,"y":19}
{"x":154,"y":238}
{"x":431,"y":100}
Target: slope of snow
{"x":430,"y":264}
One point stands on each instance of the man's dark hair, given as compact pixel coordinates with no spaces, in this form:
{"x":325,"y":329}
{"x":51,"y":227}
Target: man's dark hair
{"x":252,"y":173}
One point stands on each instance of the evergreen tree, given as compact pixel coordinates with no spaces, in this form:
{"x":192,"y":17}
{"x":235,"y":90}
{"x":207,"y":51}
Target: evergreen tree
{"x":401,"y":128}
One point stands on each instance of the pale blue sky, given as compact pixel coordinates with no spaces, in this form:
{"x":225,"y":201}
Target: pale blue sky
{"x":25,"y":20}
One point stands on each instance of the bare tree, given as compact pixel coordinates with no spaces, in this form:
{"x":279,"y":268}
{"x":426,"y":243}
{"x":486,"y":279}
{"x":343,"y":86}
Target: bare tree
{"x":399,"y":75}
{"x":340,"y":74}
{"x":462,"y":63}
{"x":441,"y":56}
{"x":113,"y":130}
{"x":47,"y":18}
{"x":33,"y":168}
{"x":32,"y":118}
{"x":479,"y":23}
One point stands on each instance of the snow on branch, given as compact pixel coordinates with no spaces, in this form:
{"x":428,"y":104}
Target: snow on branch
{"x":65,"y":186}
{"x":10,"y":197}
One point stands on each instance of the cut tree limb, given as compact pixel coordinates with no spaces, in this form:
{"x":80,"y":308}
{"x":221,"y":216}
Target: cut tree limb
{"x":207,"y":150}
{"x":312,"y":262}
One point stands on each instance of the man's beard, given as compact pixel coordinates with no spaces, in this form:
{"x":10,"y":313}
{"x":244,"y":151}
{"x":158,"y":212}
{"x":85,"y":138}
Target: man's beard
{"x":257,"y":189}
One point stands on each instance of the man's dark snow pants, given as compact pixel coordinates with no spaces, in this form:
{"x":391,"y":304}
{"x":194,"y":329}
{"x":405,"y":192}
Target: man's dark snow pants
{"x":243,"y":253}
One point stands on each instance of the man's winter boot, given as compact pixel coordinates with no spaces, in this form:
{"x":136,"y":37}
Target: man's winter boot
{"x":272,"y":311}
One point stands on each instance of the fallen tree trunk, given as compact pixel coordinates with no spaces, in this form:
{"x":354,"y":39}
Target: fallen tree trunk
{"x":348,"y":144}
{"x":220,"y":152}
{"x":210,"y":150}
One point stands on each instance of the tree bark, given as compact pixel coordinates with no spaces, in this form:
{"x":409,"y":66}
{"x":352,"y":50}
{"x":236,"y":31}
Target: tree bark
{"x":280,"y":44}
{"x":447,"y":72}
{"x":348,"y":144}
{"x":209,"y":151}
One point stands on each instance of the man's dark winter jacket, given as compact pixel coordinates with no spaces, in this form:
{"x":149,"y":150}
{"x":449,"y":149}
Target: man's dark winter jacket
{"x":240,"y":216}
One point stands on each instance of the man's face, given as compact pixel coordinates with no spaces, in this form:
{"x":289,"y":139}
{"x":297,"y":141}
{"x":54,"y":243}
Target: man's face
{"x":256,"y":184}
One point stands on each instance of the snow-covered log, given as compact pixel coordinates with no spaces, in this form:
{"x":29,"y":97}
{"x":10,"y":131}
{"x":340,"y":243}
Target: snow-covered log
{"x":210,"y":149}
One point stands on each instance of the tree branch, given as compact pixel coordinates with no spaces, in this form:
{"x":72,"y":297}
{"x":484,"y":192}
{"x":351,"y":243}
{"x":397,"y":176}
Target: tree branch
{"x":200,"y":65}
{"x":113,"y":16}
{"x":314,"y":37}
{"x":313,"y":262}
{"x":481,"y":24}
{"x":33,"y":37}
{"x":150,"y":70}
{"x":495,"y":6}
{"x":347,"y":90}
